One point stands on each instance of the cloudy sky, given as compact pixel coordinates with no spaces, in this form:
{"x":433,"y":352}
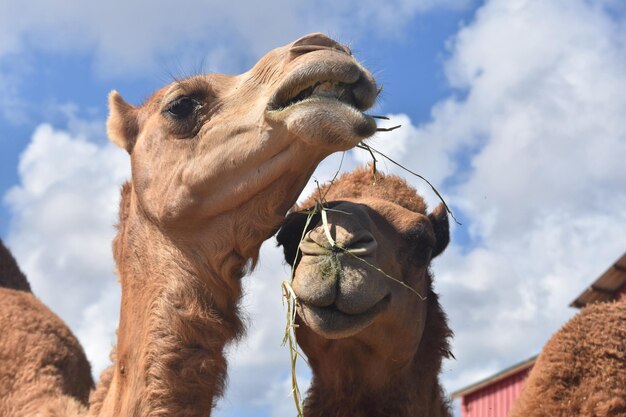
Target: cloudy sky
{"x":514,"y":109}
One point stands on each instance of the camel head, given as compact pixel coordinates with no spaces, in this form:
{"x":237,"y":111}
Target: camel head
{"x":208,"y":144}
{"x":347,"y":294}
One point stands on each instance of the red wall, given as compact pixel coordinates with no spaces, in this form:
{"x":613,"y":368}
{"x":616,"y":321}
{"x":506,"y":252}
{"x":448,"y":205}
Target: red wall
{"x":494,"y":400}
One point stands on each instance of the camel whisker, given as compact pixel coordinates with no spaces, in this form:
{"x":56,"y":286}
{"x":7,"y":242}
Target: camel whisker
{"x":388,"y":129}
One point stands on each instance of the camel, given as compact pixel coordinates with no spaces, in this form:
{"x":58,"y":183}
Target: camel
{"x":375,"y":345}
{"x":581,"y":371}
{"x":217,"y":160}
{"x":50,"y":375}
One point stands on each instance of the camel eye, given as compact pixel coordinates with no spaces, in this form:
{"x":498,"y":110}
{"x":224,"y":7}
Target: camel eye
{"x":183,"y":107}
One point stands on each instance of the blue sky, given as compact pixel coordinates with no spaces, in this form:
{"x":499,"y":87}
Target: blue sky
{"x":514,"y":109}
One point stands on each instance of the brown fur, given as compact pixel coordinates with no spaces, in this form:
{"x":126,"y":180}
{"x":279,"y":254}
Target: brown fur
{"x":391,"y":367}
{"x":207,"y":189}
{"x":581,"y":371}
{"x":48,"y":374}
{"x":363,"y":183}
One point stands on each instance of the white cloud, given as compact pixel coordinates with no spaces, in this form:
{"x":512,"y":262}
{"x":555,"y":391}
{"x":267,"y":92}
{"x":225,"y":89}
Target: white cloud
{"x":532,"y":154}
{"x":135,"y":36}
{"x":12,"y":107}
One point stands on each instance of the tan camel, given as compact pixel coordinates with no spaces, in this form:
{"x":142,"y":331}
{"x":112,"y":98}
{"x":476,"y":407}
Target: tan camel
{"x":581,"y":371}
{"x":375,"y":347}
{"x":216,"y":161}
{"x":44,"y":370}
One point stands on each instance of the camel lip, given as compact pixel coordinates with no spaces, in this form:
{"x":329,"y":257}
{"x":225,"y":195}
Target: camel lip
{"x":359,"y":246}
{"x":331,"y":323}
{"x":319,"y":90}
{"x":323,"y":81}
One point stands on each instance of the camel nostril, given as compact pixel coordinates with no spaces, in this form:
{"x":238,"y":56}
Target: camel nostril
{"x":309,"y":246}
{"x":316,"y":42}
{"x":361,"y":245}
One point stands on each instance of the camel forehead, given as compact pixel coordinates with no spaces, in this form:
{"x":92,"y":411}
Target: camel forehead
{"x":195,"y":84}
{"x":369,"y":211}
{"x":268,"y":67}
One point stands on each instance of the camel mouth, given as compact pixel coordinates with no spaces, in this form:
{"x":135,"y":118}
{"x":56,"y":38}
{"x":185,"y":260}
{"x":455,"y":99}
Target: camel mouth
{"x":359,"y":247}
{"x":342,"y":80}
{"x":323,"y":102}
{"x":319,"y":90}
{"x":332,"y":323}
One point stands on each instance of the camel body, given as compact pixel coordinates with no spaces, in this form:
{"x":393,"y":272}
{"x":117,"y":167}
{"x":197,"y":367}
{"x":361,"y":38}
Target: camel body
{"x":581,"y":371}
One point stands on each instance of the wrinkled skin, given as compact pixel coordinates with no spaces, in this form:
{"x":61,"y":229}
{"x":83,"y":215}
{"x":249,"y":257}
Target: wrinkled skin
{"x":368,"y":338}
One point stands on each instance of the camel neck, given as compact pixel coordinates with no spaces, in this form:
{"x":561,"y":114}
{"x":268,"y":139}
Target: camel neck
{"x":178,"y":311}
{"x":409,"y":392}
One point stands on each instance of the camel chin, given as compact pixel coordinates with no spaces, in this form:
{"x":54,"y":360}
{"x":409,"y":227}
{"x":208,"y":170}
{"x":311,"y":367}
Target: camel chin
{"x":331,"y":323}
{"x":326,"y":121}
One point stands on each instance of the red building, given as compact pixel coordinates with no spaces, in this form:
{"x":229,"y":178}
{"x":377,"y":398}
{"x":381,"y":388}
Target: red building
{"x":494,"y":396}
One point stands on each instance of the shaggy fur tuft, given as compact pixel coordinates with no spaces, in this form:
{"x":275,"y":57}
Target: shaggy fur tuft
{"x":362,"y":183}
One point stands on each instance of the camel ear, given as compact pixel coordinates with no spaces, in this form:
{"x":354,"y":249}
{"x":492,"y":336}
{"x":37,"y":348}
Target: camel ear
{"x":122,"y":125}
{"x":439,"y":221}
{"x":290,"y":234}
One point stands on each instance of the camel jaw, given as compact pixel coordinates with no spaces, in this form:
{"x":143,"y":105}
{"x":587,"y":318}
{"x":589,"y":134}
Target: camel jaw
{"x":332,"y":323}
